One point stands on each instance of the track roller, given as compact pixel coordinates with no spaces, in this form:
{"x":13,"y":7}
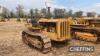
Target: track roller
{"x":37,"y":40}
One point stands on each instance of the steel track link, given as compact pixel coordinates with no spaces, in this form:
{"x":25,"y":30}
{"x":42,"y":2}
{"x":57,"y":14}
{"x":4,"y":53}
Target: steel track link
{"x":46,"y":43}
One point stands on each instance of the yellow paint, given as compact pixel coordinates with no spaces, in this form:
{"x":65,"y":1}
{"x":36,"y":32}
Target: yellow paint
{"x":60,"y":32}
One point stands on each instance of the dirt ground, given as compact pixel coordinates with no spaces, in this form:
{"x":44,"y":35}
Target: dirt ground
{"x":11,"y":43}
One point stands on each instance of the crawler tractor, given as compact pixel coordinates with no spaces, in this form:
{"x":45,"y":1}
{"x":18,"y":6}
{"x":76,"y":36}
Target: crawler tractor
{"x":87,"y":30}
{"x":40,"y":33}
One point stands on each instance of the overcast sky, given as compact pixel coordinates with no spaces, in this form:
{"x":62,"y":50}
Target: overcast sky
{"x":84,"y":5}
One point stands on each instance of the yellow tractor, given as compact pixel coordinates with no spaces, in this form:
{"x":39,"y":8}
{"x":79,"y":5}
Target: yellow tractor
{"x":86,"y":29}
{"x":39,"y":33}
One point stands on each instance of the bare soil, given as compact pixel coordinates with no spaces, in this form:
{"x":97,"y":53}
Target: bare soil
{"x":11,"y":43}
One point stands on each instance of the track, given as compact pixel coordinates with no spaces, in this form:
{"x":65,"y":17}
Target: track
{"x":87,"y":33}
{"x":37,"y":40}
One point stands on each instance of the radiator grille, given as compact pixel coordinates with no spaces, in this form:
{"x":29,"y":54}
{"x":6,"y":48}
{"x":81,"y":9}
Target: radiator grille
{"x":64,"y":29}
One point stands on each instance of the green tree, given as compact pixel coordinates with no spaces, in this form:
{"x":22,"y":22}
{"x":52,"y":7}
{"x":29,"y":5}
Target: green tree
{"x":98,"y":15}
{"x":59,"y":13}
{"x":36,"y":13}
{"x":20,"y":12}
{"x":44,"y":13}
{"x":12,"y":14}
{"x":5,"y":13}
{"x":70,"y":13}
{"x":31,"y":13}
{"x":91,"y":14}
{"x":78,"y":14}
